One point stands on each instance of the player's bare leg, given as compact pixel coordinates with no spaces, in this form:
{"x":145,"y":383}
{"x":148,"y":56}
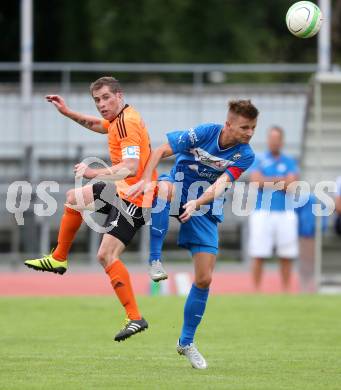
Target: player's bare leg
{"x":203,"y":269}
{"x":285,"y":270}
{"x":81,"y":198}
{"x":257,"y":272}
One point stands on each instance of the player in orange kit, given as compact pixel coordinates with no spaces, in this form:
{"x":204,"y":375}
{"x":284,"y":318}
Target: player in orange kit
{"x":129,"y":148}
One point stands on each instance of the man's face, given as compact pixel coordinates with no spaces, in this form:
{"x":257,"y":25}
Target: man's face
{"x":275,"y":141}
{"x":108,"y":103}
{"x":241,"y":128}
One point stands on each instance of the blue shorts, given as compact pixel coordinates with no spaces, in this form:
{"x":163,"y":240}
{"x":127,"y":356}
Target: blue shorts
{"x":199,"y":233}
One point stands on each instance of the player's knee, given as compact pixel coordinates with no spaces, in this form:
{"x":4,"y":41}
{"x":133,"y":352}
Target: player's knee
{"x":203,"y":281}
{"x":107,"y":256}
{"x":102,"y":256}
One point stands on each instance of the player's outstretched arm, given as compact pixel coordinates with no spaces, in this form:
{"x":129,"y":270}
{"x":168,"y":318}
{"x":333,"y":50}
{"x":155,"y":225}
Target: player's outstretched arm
{"x":127,"y":168}
{"x":156,"y":156}
{"x":208,"y":196}
{"x":90,"y":122}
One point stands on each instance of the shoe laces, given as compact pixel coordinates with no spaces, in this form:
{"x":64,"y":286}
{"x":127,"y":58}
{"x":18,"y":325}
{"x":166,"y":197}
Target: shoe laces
{"x":195,"y":354}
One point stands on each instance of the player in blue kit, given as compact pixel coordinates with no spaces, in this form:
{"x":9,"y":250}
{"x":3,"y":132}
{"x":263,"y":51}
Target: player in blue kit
{"x":273,"y":225}
{"x":209,"y":157}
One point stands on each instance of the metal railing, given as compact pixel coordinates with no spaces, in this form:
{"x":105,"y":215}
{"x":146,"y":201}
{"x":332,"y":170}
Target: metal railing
{"x":202,"y":102}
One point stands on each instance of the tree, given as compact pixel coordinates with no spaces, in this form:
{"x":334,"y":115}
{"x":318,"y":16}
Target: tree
{"x":221,"y":31}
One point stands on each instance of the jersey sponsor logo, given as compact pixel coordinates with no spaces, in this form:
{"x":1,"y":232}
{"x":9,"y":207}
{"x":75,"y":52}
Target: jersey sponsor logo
{"x":204,"y":172}
{"x":131,"y":152}
{"x":209,"y":160}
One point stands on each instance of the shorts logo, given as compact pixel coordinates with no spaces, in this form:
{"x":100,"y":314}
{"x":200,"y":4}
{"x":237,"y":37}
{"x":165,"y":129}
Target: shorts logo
{"x":203,"y":172}
{"x":114,"y":223}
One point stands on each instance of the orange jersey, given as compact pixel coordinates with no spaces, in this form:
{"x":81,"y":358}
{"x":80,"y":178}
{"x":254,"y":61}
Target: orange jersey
{"x":128,"y":138}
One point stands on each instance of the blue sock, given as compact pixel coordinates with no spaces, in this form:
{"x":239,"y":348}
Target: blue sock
{"x":193,"y":312}
{"x":158,"y":228}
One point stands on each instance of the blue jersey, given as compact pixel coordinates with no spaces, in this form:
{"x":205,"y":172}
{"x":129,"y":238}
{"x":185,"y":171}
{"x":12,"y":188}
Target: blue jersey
{"x":271,"y":166}
{"x":202,"y":161}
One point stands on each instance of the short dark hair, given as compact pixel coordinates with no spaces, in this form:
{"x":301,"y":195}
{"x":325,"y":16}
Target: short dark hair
{"x":243,"y":108}
{"x":111,"y":82}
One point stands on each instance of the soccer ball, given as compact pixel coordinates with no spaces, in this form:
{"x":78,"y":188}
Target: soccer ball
{"x":304,"y":19}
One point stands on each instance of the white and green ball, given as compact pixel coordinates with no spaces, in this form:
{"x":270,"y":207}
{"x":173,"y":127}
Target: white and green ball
{"x":304,"y":19}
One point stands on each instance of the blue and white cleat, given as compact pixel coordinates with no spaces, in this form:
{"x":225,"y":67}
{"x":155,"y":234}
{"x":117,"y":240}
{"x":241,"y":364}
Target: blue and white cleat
{"x":156,"y":271}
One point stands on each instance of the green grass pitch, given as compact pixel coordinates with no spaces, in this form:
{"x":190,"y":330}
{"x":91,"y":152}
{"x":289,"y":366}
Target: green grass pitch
{"x":250,"y":342}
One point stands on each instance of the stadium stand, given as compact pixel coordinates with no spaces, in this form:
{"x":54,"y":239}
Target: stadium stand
{"x":55,"y":143}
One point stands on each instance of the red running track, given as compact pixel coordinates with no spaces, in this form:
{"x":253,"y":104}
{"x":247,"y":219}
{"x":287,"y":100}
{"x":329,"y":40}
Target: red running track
{"x":78,"y":284}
